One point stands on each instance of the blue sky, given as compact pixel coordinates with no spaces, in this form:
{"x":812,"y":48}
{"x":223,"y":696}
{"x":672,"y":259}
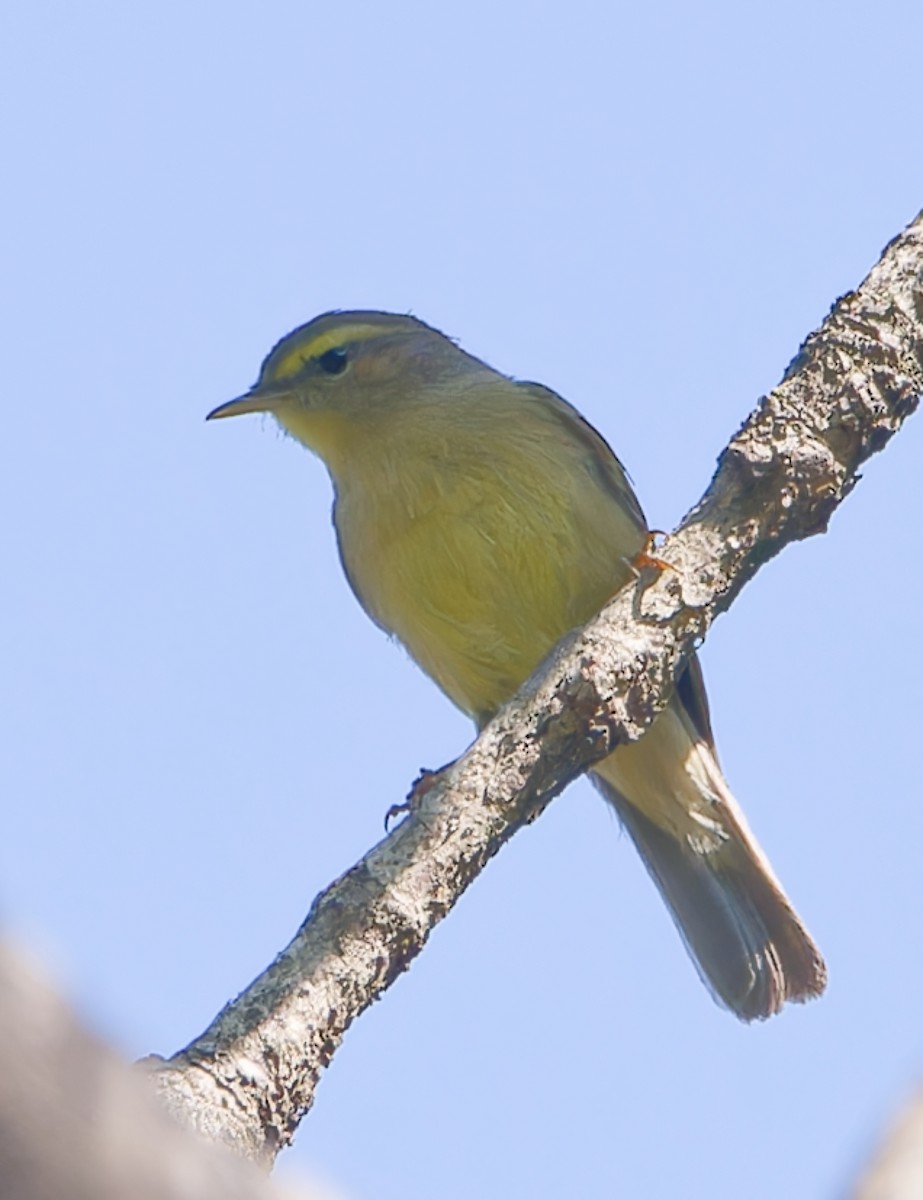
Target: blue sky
{"x":646,"y":208}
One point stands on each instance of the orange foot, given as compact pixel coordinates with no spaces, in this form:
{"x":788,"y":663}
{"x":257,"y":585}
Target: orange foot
{"x":646,"y":560}
{"x":421,"y":785}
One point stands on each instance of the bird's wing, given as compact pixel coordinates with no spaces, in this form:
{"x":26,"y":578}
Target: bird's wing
{"x":611,"y":473}
{"x":690,"y":686}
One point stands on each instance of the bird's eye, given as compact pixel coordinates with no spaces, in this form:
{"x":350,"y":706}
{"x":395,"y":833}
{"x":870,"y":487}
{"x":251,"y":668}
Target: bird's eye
{"x":333,"y":362}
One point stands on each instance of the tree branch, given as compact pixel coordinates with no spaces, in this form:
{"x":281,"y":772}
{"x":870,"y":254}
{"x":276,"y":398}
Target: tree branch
{"x":896,"y":1170}
{"x":251,"y":1076}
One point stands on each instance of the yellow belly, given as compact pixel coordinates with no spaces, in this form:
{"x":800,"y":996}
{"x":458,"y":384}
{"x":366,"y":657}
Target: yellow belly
{"x":482,"y":566}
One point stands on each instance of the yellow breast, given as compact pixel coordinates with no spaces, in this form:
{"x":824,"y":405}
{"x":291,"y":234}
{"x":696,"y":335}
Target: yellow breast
{"x":480,"y":546}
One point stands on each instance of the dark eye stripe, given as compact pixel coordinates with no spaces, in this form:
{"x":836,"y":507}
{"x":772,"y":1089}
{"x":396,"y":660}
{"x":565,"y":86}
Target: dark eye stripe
{"x":333,"y":361}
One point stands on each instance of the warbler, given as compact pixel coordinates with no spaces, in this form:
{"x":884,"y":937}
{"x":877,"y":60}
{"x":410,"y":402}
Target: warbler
{"x":479,"y":519}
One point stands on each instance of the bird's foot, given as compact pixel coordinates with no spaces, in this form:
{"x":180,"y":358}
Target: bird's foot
{"x":421,"y":785}
{"x":646,"y":560}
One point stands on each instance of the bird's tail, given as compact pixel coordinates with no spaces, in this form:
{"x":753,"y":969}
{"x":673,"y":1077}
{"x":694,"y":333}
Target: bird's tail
{"x":749,"y":945}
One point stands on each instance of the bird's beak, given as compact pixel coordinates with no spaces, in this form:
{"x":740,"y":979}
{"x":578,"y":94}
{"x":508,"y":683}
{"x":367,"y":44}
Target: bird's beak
{"x":258,"y":399}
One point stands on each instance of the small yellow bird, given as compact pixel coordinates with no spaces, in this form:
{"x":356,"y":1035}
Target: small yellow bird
{"x":479,"y":519}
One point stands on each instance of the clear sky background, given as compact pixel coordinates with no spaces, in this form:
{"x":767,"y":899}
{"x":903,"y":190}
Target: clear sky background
{"x":646,"y":207}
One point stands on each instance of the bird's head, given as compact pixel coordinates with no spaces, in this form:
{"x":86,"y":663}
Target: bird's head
{"x":348,"y":371}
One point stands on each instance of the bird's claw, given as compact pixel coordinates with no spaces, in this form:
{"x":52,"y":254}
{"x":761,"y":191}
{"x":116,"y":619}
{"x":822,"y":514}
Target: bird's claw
{"x":420,"y":786}
{"x":646,"y":560}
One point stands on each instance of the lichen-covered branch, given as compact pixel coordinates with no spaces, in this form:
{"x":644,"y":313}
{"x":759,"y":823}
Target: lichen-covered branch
{"x":251,"y":1076}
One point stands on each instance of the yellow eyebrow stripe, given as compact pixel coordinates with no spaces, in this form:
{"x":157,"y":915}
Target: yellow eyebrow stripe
{"x":293,"y":361}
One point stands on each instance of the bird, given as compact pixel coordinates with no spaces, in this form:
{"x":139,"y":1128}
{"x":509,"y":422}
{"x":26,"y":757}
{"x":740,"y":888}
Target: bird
{"x":479,"y":520}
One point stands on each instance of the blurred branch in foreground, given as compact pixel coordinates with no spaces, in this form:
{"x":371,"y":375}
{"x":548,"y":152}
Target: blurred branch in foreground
{"x":896,"y":1171}
{"x":76,"y":1122}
